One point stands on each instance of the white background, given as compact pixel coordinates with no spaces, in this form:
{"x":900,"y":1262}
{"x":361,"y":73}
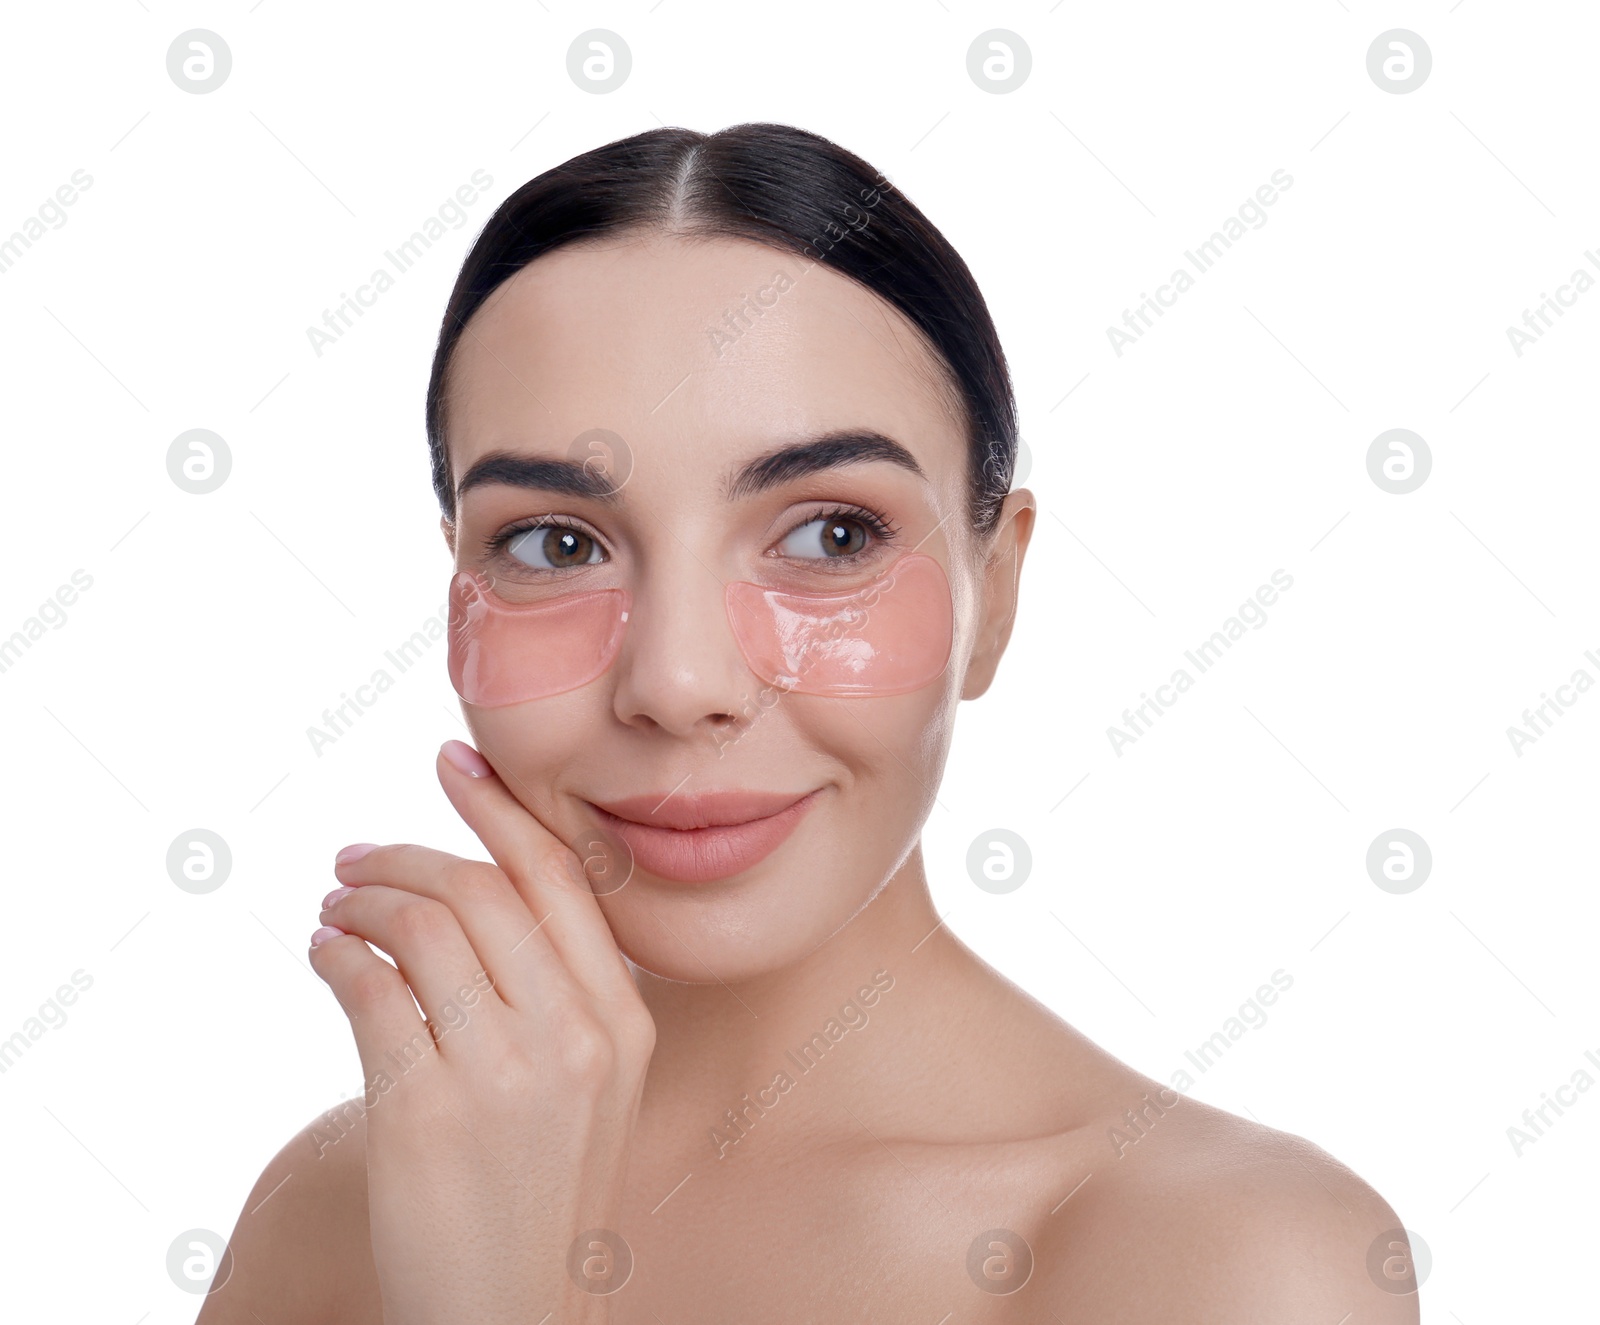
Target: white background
{"x":1173,"y":479}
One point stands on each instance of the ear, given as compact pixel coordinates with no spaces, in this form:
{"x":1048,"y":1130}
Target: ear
{"x":449,"y":531}
{"x":998,"y":604}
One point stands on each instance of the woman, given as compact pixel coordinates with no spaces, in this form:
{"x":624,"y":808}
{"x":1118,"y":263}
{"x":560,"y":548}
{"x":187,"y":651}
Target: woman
{"x":723,"y":437}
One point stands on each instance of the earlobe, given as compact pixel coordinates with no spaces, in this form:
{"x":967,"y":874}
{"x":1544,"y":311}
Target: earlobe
{"x":449,"y":531}
{"x":1002,"y":577}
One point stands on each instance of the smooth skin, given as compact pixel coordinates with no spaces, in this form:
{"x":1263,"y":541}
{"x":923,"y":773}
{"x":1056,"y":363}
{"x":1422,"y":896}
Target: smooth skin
{"x":591,"y":1085}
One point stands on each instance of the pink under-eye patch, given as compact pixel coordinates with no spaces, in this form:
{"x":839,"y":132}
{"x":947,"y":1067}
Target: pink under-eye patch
{"x":505,"y":653}
{"x":888,"y":637}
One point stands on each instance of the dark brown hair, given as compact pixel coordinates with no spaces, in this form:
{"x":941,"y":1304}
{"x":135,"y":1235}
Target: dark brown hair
{"x":780,"y":186}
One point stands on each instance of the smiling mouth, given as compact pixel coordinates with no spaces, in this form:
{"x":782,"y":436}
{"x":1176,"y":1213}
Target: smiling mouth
{"x":708,"y":836}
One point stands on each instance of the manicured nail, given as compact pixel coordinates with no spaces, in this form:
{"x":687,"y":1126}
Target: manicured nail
{"x":353,"y":853}
{"x":324,"y":934}
{"x":463,"y":757}
{"x":335,"y":895}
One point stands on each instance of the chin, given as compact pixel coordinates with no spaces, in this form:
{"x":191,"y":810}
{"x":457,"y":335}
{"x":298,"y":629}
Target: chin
{"x":764,"y":918}
{"x":729,"y":937}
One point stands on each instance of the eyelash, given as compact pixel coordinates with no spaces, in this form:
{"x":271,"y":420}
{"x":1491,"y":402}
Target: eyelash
{"x":879,"y":526}
{"x":493,"y":544}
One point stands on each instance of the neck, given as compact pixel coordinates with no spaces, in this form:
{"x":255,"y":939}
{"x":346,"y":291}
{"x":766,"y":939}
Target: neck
{"x":797,"y":1041}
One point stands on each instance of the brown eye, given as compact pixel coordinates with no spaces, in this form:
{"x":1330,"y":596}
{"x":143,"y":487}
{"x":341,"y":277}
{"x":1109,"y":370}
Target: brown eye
{"x":826,"y":537}
{"x":554,"y":547}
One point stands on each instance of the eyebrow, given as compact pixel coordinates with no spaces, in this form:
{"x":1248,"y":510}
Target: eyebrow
{"x":785,"y":464}
{"x":831,"y":450}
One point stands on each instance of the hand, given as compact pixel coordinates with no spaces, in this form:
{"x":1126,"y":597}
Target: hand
{"x":498,"y":1130}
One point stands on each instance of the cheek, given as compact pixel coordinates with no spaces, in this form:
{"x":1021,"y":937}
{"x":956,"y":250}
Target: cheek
{"x":890,"y":749}
{"x":536,"y":748}
{"x":531,"y":744}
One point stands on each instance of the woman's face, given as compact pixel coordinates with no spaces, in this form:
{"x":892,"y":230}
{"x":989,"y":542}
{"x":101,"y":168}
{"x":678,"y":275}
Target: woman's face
{"x":698,"y":359}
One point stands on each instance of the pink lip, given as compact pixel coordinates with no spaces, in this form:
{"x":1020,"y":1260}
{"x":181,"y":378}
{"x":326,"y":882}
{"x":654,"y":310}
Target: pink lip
{"x":707,"y":836}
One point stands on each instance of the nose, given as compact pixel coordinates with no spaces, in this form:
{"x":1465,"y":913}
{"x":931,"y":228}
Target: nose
{"x":679,"y":667}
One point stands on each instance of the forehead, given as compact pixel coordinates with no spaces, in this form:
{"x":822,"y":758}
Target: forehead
{"x":704,"y":349}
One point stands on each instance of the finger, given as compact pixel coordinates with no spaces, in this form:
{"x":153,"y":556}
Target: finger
{"x":508,"y":940}
{"x":427,"y":944}
{"x":546,"y":873}
{"x":375,"y":998}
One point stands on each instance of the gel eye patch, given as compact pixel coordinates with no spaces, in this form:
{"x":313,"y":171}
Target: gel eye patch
{"x":888,"y":637}
{"x":504,"y":653}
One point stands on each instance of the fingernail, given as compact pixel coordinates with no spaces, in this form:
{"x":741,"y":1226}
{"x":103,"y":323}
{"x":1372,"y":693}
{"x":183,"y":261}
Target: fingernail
{"x":352,"y":853}
{"x":463,"y":757}
{"x":335,"y":895}
{"x":324,"y":934}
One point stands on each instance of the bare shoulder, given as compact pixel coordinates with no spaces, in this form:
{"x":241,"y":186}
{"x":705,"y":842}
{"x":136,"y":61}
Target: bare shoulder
{"x":301,"y":1251}
{"x":1187,"y":1212}
{"x":1138,"y":1203}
